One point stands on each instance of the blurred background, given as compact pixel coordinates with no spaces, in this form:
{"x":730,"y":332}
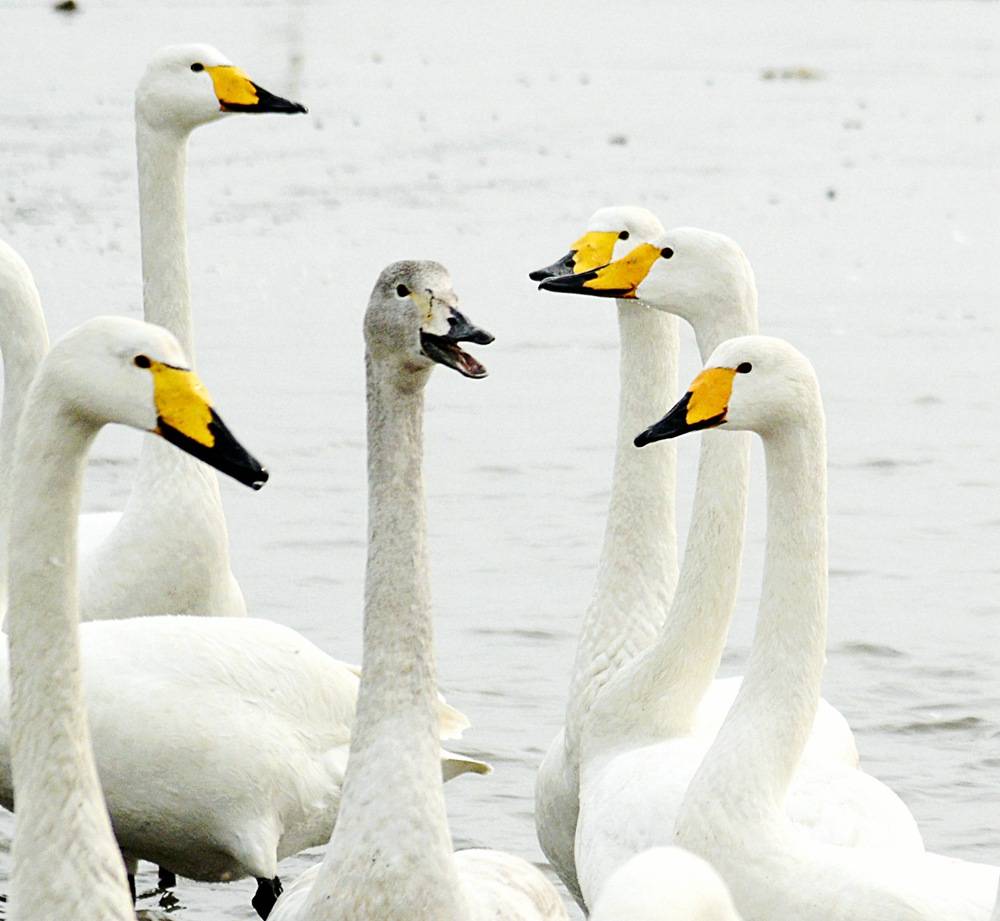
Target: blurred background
{"x":851,"y":148}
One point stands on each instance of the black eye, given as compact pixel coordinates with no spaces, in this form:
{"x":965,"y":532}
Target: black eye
{"x":744,"y":368}
{"x":623,"y":235}
{"x":666,"y":252}
{"x":197,"y":68}
{"x":402,"y":291}
{"x":141,"y":361}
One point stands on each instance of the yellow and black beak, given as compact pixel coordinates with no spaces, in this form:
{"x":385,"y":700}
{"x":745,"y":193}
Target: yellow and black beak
{"x":564,"y":266}
{"x":592,"y":250}
{"x":704,"y":406}
{"x":184,"y":416}
{"x":616,"y":279}
{"x":236,"y":92}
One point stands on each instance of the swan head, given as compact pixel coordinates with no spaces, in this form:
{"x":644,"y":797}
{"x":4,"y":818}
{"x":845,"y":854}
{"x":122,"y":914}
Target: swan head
{"x":689,"y":272}
{"x":665,"y":883}
{"x":611,"y":233}
{"x":185,"y":86}
{"x":751,"y":383}
{"x":413,"y":321}
{"x":115,"y":369}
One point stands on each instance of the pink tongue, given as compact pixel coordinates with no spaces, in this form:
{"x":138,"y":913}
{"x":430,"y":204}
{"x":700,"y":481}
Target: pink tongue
{"x":470,"y":364}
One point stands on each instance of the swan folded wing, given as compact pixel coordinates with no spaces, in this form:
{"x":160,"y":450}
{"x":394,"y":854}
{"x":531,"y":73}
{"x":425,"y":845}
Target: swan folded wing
{"x":852,"y":809}
{"x":499,"y":885}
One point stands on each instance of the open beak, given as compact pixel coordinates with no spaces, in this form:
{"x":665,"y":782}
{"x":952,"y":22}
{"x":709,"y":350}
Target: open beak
{"x":445,"y":350}
{"x":704,"y":406}
{"x":236,"y":92}
{"x":185,"y":418}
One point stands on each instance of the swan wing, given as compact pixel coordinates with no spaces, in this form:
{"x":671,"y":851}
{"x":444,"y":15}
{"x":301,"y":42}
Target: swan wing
{"x":501,"y":886}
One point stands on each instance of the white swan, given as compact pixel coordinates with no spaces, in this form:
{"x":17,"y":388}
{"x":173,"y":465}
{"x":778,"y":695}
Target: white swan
{"x":637,"y":572}
{"x":390,"y":857}
{"x":654,"y":720}
{"x":169,"y":552}
{"x":65,"y":862}
{"x":665,"y":884}
{"x":732,"y":813}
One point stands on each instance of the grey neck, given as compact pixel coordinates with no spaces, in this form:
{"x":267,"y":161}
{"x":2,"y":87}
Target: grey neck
{"x":393,"y":803}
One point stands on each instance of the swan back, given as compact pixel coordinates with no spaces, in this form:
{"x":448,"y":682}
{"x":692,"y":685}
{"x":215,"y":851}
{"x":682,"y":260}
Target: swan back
{"x":665,"y":884}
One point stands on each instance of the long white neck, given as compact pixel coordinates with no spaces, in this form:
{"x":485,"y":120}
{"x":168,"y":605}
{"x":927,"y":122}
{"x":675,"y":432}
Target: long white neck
{"x":677,"y":670}
{"x":390,"y":856}
{"x":175,"y":499}
{"x":66,"y":863}
{"x":637,"y":574}
{"x":748,"y":769}
{"x":166,"y":296}
{"x":24,"y":340}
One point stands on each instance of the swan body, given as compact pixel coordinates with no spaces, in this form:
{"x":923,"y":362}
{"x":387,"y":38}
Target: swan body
{"x":732,"y":812}
{"x":169,"y":551}
{"x":65,"y":862}
{"x":390,"y":857}
{"x":221,"y":745}
{"x":665,"y":884}
{"x":637,"y":572}
{"x":652,"y":722}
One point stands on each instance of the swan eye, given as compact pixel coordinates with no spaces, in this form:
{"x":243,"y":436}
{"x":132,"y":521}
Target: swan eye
{"x":402,"y":291}
{"x":666,"y":252}
{"x":142,"y":361}
{"x":197,"y":68}
{"x":744,"y":368}
{"x":623,"y":235}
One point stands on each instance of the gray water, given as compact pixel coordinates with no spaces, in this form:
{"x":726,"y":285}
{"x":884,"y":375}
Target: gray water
{"x":863,"y":188}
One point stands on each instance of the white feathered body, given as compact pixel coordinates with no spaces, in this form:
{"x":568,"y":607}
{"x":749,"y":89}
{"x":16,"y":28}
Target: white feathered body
{"x":221,"y":744}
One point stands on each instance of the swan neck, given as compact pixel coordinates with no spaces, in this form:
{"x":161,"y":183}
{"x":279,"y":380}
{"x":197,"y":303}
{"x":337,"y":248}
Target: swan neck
{"x":24,"y":340}
{"x":687,"y":654}
{"x":393,"y":803}
{"x":637,"y":573}
{"x":166,"y":297}
{"x":754,"y":756}
{"x":65,"y":859}
{"x":680,"y":666}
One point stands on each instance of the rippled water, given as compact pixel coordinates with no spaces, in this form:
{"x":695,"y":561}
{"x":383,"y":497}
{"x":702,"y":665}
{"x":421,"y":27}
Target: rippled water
{"x":482,"y":136}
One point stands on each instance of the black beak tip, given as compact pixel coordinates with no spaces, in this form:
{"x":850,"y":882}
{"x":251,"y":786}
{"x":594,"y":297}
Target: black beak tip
{"x":539,"y":275}
{"x":642,"y":439}
{"x":259,"y":480}
{"x":297,"y":107}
